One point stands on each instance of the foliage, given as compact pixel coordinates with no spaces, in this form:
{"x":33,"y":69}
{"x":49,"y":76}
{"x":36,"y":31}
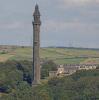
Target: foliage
{"x":83,"y":85}
{"x":46,"y":67}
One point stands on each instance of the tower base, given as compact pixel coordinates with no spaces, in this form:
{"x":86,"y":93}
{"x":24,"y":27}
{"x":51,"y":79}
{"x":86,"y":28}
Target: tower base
{"x":35,"y":83}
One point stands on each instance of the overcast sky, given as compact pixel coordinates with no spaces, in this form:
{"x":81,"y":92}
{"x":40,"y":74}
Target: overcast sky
{"x":64,"y":22}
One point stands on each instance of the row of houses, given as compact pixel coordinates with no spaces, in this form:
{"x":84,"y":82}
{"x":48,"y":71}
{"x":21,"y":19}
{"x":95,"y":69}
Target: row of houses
{"x":69,"y":69}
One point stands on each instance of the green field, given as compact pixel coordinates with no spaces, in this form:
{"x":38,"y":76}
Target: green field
{"x":58,"y":55}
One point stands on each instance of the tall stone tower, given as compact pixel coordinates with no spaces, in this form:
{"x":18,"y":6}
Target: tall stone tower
{"x":36,"y":46}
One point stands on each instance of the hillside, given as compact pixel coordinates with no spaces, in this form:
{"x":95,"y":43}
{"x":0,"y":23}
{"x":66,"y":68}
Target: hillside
{"x":58,"y":55}
{"x":16,"y":75}
{"x":14,"y":84}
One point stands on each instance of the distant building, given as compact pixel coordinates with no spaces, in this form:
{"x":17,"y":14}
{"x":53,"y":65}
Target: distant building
{"x":87,"y":67}
{"x":52,"y":74}
{"x":69,"y":69}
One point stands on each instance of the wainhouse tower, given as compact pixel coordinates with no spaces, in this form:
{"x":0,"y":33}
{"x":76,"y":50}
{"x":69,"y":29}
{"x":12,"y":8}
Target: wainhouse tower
{"x":36,"y":46}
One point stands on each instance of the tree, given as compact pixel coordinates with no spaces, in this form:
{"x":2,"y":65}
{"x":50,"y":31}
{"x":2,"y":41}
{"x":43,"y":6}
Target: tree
{"x":46,"y":67}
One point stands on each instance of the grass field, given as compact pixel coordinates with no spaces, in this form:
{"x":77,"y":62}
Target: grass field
{"x":58,"y":55}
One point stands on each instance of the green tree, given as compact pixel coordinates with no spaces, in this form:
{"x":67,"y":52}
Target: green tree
{"x":46,"y":67}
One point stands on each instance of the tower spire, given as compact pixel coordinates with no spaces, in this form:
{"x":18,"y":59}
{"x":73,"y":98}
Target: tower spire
{"x":36,"y":12}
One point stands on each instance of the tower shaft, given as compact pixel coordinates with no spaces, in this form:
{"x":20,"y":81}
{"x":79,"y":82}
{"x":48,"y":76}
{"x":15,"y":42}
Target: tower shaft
{"x":36,"y":47}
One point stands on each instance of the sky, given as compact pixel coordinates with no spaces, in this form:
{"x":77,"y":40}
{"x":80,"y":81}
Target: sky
{"x":64,"y":22}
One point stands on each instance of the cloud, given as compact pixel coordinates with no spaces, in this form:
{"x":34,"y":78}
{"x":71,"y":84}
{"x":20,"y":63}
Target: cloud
{"x":14,"y":25}
{"x":74,"y":25}
{"x":78,"y":2}
{"x":79,"y":21}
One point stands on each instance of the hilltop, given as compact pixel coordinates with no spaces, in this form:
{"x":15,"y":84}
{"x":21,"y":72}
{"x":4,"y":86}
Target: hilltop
{"x":60,"y":55}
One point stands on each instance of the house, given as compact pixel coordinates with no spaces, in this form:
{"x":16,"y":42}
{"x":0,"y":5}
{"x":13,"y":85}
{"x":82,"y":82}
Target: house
{"x":87,"y":67}
{"x":52,"y":74}
{"x":69,"y":69}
